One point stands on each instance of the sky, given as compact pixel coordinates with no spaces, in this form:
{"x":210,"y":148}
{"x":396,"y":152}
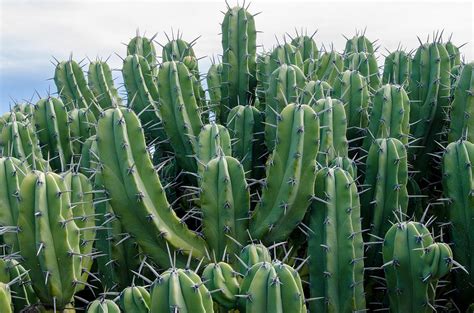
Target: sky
{"x":33,"y":32}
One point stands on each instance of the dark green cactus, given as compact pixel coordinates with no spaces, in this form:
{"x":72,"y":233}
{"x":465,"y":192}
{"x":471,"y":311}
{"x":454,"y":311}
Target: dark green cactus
{"x":285,"y":85}
{"x":225,"y":204}
{"x":246,"y":128}
{"x":458,"y":183}
{"x":346,"y":164}
{"x":314,"y":91}
{"x":328,"y":67}
{"x":264,"y":71}
{"x":252,"y":254}
{"x":429,"y":89}
{"x":49,"y":239}
{"x":359,"y":43}
{"x":413,"y":264}
{"x":462,"y":108}
{"x":291,"y":171}
{"x":386,"y":174}
{"x":81,"y":126}
{"x":221,"y":279}
{"x":352,"y":89}
{"x":135,"y":299}
{"x":272,"y":288}
{"x":131,"y":182}
{"x":101,"y":83}
{"x":214,"y":81}
{"x":332,"y":132}
{"x":239,"y":45}
{"x":306,"y":46}
{"x":143,"y":46}
{"x":213,"y":140}
{"x":389,"y":115}
{"x":180,"y":112}
{"x":335,"y":245}
{"x":72,"y":86}
{"x":180,"y":290}
{"x":15,"y":275}
{"x":454,"y":54}
{"x":397,"y":68}
{"x":366,"y":65}
{"x":103,"y":306}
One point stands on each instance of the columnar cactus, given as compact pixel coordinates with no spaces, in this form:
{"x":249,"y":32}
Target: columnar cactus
{"x":366,"y":65}
{"x":454,"y":54}
{"x":332,"y":133}
{"x":101,"y":83}
{"x":458,"y":183}
{"x":462,"y":108}
{"x":180,"y":112}
{"x":49,"y":239}
{"x":51,"y":121}
{"x":103,"y":306}
{"x":135,"y":299}
{"x":15,"y":275}
{"x":335,"y":245}
{"x":359,"y":43}
{"x":389,"y":115}
{"x":239,"y":45}
{"x":285,"y":54}
{"x":328,"y":67}
{"x":6,"y":298}
{"x":270,"y":287}
{"x":144,"y":47}
{"x":264,"y":71}
{"x":19,"y":140}
{"x":214,"y":81}
{"x":81,"y":126}
{"x":221,"y":279}
{"x":429,"y":89}
{"x":346,"y":164}
{"x":413,"y":264}
{"x":386,"y":173}
{"x":131,"y":182}
{"x":306,"y":45}
{"x":72,"y":86}
{"x":314,"y":91}
{"x":213,"y":141}
{"x":252,"y":254}
{"x":291,"y":171}
{"x":246,"y":128}
{"x":352,"y":89}
{"x":180,"y":290}
{"x":397,"y":68}
{"x":284,"y":88}
{"x":225,"y":204}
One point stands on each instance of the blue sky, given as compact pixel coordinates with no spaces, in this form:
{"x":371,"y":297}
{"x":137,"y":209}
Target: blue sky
{"x":31,"y":32}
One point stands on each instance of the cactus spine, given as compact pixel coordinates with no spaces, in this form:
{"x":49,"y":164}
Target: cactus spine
{"x":101,"y":83}
{"x":462,"y":108}
{"x":239,"y":45}
{"x":458,"y":183}
{"x":291,"y":171}
{"x":49,"y":239}
{"x":335,"y":246}
{"x":135,"y":299}
{"x":397,"y":68}
{"x":413,"y":264}
{"x":131,"y":182}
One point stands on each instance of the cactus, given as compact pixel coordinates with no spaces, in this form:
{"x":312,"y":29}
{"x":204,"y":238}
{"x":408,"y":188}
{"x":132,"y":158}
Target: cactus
{"x":272,"y":287}
{"x":213,"y":140}
{"x":72,"y":86}
{"x":221,"y":276}
{"x":351,"y":88}
{"x":346,"y":164}
{"x":214,"y":81}
{"x":225,"y":204}
{"x":335,"y":245}
{"x":81,"y":126}
{"x":366,"y":65}
{"x":328,"y":67}
{"x":264,"y":71}
{"x":429,"y":89}
{"x":19,"y":140}
{"x":131,"y":182}
{"x":246,"y":128}
{"x":12,"y":173}
{"x":239,"y":45}
{"x":413,"y":264}
{"x":455,"y":76}
{"x":15,"y":275}
{"x":458,"y":184}
{"x":49,"y":239}
{"x":51,"y":122}
{"x":285,"y":85}
{"x":101,"y":84}
{"x":314,"y":91}
{"x":285,"y":54}
{"x":177,"y":50}
{"x":144,"y":47}
{"x":180,"y":112}
{"x":389,"y":116}
{"x":135,"y":299}
{"x":81,"y":194}
{"x":10,"y":117}
{"x":180,"y":290}
{"x":397,"y":68}
{"x":453,"y":53}
{"x":291,"y":171}
{"x":103,"y":306}
{"x":386,"y":174}
{"x":359,"y":43}
{"x":252,"y":254}
{"x":332,"y":133}
{"x":461,"y":125}
{"x":5,"y":298}
{"x":306,"y":46}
